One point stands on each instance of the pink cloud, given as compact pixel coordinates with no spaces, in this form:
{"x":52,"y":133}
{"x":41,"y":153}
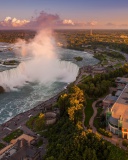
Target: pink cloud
{"x":44,"y":20}
{"x":92,"y":23}
{"x":68,"y":22}
{"x":9,"y":22}
{"x":110,"y":24}
{"x":47,"y":20}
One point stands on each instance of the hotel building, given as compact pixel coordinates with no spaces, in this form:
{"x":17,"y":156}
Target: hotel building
{"x":117,"y":114}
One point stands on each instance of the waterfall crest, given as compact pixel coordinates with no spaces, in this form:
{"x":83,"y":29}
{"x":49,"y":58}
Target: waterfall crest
{"x":40,"y":72}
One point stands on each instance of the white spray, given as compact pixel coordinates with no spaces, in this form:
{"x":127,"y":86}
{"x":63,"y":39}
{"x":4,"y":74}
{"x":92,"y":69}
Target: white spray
{"x":44,"y":66}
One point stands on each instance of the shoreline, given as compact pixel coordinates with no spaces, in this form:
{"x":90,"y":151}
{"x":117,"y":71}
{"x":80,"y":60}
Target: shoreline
{"x":42,"y":106}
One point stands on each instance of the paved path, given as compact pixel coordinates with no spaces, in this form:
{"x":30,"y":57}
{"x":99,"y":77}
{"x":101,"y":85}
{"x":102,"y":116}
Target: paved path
{"x":93,"y":116}
{"x":20,"y":120}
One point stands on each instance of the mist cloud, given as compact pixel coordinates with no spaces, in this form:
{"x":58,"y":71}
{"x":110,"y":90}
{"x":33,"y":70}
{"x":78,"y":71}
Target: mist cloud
{"x":44,"y":66}
{"x":44,"y":20}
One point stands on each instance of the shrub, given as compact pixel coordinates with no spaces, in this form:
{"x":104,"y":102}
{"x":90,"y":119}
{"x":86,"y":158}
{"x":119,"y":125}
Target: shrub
{"x":125,"y":143}
{"x":1,"y":146}
{"x":104,"y":132}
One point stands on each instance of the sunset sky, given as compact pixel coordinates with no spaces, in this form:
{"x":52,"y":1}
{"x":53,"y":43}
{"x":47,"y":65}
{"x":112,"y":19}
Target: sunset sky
{"x":71,"y":13}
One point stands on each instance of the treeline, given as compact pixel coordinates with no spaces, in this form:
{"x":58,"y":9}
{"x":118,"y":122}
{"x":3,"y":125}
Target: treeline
{"x":67,"y":141}
{"x":119,"y":46}
{"x":98,"y":85}
{"x":11,"y":36}
{"x":115,"y":55}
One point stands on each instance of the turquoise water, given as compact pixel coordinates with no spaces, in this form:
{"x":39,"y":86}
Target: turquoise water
{"x":26,"y":97}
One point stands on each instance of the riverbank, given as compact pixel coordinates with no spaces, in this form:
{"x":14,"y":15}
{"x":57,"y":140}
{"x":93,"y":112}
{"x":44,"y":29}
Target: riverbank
{"x":20,"y":120}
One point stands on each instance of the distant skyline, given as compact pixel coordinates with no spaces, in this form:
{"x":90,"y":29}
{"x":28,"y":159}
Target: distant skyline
{"x":83,"y":14}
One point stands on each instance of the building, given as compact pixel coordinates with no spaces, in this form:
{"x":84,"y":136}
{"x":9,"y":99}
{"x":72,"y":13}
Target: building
{"x":99,"y":70}
{"x":117,"y":115}
{"x":20,"y":148}
{"x":109,"y":101}
{"x":121,"y":81}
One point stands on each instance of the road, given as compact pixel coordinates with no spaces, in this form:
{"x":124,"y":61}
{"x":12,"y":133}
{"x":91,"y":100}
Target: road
{"x":20,"y":120}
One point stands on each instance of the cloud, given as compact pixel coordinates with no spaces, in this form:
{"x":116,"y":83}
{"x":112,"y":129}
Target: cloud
{"x":116,"y":25}
{"x":44,"y":20}
{"x":92,"y":23}
{"x":110,"y":24}
{"x":9,"y":22}
{"x":124,"y":25}
{"x":68,"y":22}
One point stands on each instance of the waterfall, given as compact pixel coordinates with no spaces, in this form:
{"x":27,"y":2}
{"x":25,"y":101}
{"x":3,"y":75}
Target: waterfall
{"x":43,"y":67}
{"x":38,"y":71}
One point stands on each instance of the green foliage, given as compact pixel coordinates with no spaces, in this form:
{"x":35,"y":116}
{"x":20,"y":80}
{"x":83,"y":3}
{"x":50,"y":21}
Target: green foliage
{"x":2,"y":146}
{"x":98,"y":85}
{"x":112,"y":54}
{"x":11,"y":36}
{"x":99,"y":121}
{"x":50,"y":158}
{"x":39,"y":142}
{"x":13,"y":135}
{"x":99,"y":56}
{"x":105,"y":133}
{"x":30,"y":122}
{"x":78,"y":58}
{"x":72,"y":104}
{"x":116,"y":55}
{"x":11,"y":62}
{"x":88,"y":111}
{"x":36,"y":123}
{"x":67,"y":143}
{"x":125,"y":143}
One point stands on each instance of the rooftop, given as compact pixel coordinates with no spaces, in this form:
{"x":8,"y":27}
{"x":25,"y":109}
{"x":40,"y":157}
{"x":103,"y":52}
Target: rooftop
{"x":120,"y":87}
{"x":12,"y":144}
{"x":110,"y":99}
{"x":22,"y":150}
{"x":120,"y":107}
{"x":99,"y":69}
{"x":113,"y":121}
{"x":122,"y":80}
{"x":118,"y":93}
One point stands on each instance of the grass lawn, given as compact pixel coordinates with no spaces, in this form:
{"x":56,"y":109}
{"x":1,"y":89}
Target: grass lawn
{"x":13,"y":135}
{"x":118,"y":65}
{"x":30,"y":122}
{"x":39,"y":143}
{"x":1,"y":146}
{"x":88,"y":111}
{"x":36,"y":123}
{"x":96,"y":121}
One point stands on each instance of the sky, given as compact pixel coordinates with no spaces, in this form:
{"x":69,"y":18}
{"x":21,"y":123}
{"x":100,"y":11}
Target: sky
{"x":84,"y":14}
